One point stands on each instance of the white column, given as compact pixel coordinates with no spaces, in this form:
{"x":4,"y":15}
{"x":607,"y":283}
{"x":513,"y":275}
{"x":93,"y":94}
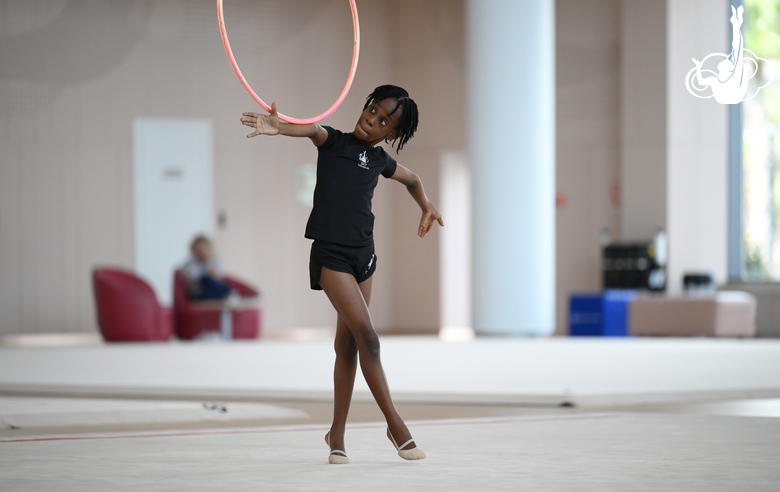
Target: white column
{"x":697,"y":150}
{"x":511,"y":142}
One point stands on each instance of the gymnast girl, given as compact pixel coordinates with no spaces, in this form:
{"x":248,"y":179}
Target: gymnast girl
{"x":342,"y":259}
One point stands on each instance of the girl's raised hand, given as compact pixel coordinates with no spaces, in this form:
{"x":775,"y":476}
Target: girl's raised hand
{"x":264,"y":124}
{"x":429,"y":216}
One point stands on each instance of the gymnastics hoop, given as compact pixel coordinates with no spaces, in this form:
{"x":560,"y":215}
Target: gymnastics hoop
{"x":290,"y":119}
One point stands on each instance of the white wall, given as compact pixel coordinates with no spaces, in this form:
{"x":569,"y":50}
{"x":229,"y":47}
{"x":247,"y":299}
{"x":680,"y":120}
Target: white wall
{"x":674,"y":146}
{"x":697,"y":151}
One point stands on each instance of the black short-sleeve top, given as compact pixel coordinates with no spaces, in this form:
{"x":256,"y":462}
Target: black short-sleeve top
{"x":347,"y":173}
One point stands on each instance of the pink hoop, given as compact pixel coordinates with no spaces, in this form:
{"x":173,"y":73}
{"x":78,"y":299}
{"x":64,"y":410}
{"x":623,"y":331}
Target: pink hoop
{"x":289,"y":119}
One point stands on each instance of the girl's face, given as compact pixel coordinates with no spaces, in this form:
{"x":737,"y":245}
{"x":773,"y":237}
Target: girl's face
{"x":378,"y":122}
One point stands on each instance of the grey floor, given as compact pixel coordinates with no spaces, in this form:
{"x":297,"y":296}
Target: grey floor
{"x":640,"y":427}
{"x":706,"y":446}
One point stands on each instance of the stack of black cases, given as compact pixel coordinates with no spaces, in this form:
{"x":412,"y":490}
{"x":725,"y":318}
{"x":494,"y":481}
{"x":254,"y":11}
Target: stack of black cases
{"x":633,"y":266}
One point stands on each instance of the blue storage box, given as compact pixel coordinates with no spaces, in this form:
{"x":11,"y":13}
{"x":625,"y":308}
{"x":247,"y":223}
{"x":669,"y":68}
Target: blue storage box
{"x":600,"y":315}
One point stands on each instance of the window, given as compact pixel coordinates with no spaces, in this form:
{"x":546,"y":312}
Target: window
{"x":755,"y":167}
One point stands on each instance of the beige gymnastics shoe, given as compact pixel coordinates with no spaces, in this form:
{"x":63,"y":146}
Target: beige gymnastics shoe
{"x":414,"y":453}
{"x":337,"y":456}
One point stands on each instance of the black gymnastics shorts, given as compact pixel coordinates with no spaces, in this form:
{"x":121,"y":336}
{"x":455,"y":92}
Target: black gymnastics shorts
{"x":360,"y":262}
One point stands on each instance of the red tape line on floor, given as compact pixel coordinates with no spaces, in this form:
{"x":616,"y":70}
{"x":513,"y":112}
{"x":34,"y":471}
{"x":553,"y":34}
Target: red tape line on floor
{"x":270,"y":430}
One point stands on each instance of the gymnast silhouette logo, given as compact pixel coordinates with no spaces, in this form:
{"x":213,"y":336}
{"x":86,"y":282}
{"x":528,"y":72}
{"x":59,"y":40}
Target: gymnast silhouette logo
{"x":363,"y":158}
{"x":729,"y":85}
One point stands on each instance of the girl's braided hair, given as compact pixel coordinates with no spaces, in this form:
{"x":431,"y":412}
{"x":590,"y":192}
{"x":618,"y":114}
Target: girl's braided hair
{"x":407,"y":125}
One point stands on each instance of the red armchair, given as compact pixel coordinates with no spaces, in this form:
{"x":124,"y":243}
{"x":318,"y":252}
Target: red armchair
{"x":193,"y":320}
{"x":127,"y":308}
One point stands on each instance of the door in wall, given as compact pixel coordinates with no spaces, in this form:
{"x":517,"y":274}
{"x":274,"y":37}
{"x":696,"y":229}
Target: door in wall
{"x":172,"y":161}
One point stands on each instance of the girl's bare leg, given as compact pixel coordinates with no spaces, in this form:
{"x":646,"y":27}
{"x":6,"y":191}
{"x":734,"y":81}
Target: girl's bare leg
{"x":348,"y":299}
{"x":344,"y":373}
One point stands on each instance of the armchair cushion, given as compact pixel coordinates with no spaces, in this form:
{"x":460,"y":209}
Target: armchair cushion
{"x":127,"y":308}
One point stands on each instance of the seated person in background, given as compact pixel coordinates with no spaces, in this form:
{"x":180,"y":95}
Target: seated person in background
{"x":202,"y":273}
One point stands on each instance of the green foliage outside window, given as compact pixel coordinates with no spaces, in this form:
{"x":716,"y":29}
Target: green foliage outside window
{"x":761,"y":145}
{"x":762,"y":33}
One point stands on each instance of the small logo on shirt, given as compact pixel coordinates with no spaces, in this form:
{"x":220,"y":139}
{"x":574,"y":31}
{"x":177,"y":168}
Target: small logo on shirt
{"x":363,"y":160}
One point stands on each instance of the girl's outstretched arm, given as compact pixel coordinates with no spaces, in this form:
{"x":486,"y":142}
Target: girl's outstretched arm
{"x":269,"y":124}
{"x":415,"y":187}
